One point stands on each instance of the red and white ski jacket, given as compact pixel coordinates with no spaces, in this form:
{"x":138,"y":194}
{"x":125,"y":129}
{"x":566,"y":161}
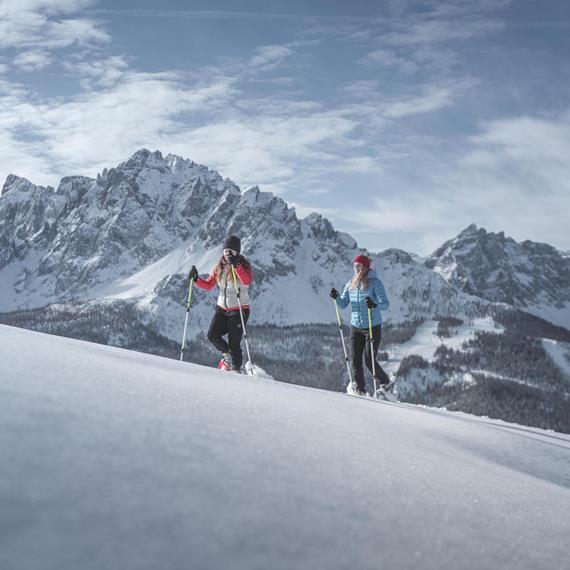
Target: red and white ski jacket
{"x":228,"y":299}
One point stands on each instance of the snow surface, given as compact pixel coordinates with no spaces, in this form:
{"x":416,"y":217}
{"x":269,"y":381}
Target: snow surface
{"x":115,"y":459}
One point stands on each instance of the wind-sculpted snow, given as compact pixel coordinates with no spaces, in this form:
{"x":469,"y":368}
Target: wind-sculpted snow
{"x":120,"y":460}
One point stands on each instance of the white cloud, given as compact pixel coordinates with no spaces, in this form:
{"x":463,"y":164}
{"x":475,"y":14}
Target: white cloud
{"x":274,"y":149}
{"x":425,"y":38}
{"x":513,"y":177}
{"x":44,"y":24}
{"x":389,"y":58}
{"x":257,"y":141}
{"x":433,"y":99}
{"x":32,"y":60}
{"x":104,"y":72}
{"x":94,"y":130}
{"x":74,"y":31}
{"x":267,"y":58}
{"x":375,"y":108}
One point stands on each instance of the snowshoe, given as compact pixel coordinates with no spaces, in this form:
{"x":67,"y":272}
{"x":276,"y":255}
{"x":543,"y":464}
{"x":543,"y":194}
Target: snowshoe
{"x":225,"y":363}
{"x":385,"y":393}
{"x":353,"y":390}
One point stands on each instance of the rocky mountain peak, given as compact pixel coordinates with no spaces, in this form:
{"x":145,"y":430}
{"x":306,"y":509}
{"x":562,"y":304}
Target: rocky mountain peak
{"x":395,"y":255}
{"x":527,"y":275}
{"x":20,"y":184}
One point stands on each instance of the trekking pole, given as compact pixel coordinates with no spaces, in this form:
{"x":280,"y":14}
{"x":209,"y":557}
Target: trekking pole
{"x":238,"y":291}
{"x":339,"y":321}
{"x":188,"y":302}
{"x":372,"y":350}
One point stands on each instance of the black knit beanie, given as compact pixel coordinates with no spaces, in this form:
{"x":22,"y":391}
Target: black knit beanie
{"x":233,"y":242}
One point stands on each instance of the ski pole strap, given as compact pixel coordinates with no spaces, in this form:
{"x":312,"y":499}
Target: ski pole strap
{"x":370,"y":323}
{"x":189,"y":300}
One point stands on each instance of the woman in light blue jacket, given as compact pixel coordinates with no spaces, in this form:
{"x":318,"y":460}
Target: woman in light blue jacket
{"x":364,"y":291}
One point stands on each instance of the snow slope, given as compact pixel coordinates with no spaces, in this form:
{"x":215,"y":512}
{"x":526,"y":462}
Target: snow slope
{"x":118,"y":460}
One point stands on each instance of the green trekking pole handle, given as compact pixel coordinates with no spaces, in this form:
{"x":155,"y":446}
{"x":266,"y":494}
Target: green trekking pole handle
{"x":190,"y":289}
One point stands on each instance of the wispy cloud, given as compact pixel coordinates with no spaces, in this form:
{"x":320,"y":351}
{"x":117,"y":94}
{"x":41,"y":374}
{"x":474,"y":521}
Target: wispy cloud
{"x":426,"y":40}
{"x":254,"y":141}
{"x":267,"y":58}
{"x":387,"y":58}
{"x":32,"y":60}
{"x":93,"y":130}
{"x":433,"y":98}
{"x":103,"y":72}
{"x":526,"y":153}
{"x":513,"y":176}
{"x":43,"y":24}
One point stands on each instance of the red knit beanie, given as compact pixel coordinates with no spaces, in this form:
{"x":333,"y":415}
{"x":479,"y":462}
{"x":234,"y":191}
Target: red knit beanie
{"x":363,"y":259}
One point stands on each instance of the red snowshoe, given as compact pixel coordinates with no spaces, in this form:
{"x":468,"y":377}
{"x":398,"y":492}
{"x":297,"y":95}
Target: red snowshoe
{"x":225,"y":363}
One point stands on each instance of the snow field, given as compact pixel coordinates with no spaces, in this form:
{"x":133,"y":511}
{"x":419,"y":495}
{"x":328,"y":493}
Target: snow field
{"x":116,"y":459}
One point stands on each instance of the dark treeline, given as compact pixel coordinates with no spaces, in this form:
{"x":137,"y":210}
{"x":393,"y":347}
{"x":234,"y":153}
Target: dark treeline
{"x":517,"y":357}
{"x":519,"y":323}
{"x":446,"y":326}
{"x":117,"y":324}
{"x":506,"y":400}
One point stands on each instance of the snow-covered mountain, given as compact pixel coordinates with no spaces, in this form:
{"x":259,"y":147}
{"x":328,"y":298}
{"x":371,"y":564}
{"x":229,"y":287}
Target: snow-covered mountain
{"x":115,"y":459}
{"x":133,"y":233}
{"x":534,"y":277}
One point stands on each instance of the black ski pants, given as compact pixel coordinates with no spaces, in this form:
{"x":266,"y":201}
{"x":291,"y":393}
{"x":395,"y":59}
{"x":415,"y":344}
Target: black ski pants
{"x":360,"y":343}
{"x":228,"y":323}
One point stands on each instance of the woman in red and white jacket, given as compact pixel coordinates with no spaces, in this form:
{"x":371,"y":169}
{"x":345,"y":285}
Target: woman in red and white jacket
{"x":226,"y":319}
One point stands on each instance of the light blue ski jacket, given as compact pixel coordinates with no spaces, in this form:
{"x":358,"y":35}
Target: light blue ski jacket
{"x":357,"y":300}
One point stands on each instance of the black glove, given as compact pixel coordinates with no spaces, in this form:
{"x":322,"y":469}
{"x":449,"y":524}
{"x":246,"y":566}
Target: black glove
{"x":334,"y":293}
{"x":193,"y":273}
{"x":370,"y":303}
{"x":233,"y":260}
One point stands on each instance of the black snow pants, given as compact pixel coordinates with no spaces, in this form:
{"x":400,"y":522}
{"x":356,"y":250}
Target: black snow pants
{"x":228,"y":322}
{"x":360,"y":343}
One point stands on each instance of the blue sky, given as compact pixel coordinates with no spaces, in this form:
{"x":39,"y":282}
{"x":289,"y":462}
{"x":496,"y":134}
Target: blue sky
{"x":402,"y":121}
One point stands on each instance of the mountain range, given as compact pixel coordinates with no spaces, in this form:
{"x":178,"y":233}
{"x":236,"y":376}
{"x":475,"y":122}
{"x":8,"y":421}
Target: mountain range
{"x":107,"y":259}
